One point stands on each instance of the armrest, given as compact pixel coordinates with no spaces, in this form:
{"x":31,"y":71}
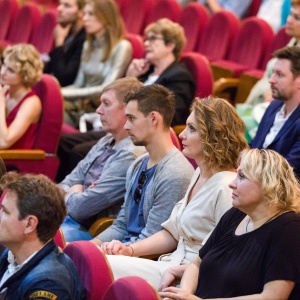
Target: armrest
{"x":226,"y":88}
{"x":23,"y":154}
{"x":100,"y":225}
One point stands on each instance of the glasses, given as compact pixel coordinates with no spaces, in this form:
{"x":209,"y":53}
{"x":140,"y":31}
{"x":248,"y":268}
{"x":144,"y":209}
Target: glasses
{"x":138,"y":192}
{"x":152,"y":38}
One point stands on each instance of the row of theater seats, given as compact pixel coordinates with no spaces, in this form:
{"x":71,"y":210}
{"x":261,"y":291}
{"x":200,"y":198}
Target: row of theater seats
{"x":26,"y":24}
{"x":97,"y":277}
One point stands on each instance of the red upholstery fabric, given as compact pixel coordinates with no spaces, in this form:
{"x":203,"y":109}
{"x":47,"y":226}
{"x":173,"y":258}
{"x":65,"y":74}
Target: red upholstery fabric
{"x":59,"y":239}
{"x":93,"y":267}
{"x":254,"y":7}
{"x":49,"y":129}
{"x":43,"y":38}
{"x":175,"y":139}
{"x":280,"y":40}
{"x":8,"y":12}
{"x":219,"y":35}
{"x":198,"y":14}
{"x":134,"y":14}
{"x":137,"y":45}
{"x":131,"y":288}
{"x":164,"y":9}
{"x":24,"y":25}
{"x":249,"y":47}
{"x":199,"y":67}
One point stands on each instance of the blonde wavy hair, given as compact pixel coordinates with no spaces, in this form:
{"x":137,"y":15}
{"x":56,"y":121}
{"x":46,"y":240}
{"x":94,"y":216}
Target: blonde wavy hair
{"x":221,"y":131}
{"x":27,"y":61}
{"x":275,"y":176}
{"x":171,"y":32}
{"x":106,"y":12}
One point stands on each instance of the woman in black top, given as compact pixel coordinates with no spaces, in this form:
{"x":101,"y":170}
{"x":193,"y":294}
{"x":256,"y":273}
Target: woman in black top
{"x":254,"y":252}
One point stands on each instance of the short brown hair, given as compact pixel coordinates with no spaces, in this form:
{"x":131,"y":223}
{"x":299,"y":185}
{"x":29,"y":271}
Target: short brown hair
{"x":154,"y":97}
{"x":293,"y":55}
{"x":171,"y":32}
{"x":123,"y":86}
{"x":37,"y":195}
{"x":221,"y":131}
{"x":27,"y":60}
{"x":80,"y":4}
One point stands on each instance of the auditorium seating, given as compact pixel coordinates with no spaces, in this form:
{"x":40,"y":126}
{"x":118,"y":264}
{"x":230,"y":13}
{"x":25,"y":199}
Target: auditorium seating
{"x":8,"y":12}
{"x":247,"y":51}
{"x":219,"y":35}
{"x":196,"y":29}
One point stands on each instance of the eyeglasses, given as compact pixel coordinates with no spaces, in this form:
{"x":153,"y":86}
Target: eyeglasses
{"x":152,"y":38}
{"x":138,"y":192}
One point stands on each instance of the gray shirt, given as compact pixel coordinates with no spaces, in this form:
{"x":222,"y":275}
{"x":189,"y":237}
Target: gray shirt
{"x":167,"y":186}
{"x":106,"y":196}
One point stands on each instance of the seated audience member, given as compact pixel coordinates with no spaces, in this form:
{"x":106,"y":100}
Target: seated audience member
{"x":32,"y":266}
{"x":105,"y":56}
{"x":214,"y":137}
{"x":279,"y":129}
{"x":275,"y":12}
{"x":260,"y":94}
{"x":164,"y":41}
{"x":253,"y":253}
{"x":240,"y":8}
{"x":20,"y":107}
{"x":69,"y":36}
{"x":96,"y":187}
{"x":156,"y":181}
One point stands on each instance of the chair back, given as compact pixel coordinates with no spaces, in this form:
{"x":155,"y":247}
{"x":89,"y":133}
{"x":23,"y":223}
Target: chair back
{"x":175,"y":139}
{"x":25,"y":24}
{"x":137,"y":45}
{"x":93,"y":267}
{"x":51,"y":119}
{"x":254,"y":8}
{"x":195,"y":30}
{"x":43,"y":38}
{"x":59,"y":239}
{"x":200,"y":69}
{"x":253,"y":39}
{"x":164,"y":9}
{"x":8,"y":12}
{"x":219,"y":35}
{"x":131,"y":288}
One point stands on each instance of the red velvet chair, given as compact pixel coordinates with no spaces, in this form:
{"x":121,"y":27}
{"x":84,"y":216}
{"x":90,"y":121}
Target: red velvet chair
{"x":131,"y":288}
{"x":194,"y":30}
{"x":137,"y":45}
{"x":134,"y":14}
{"x":254,"y":7}
{"x":199,"y":67}
{"x":59,"y":239}
{"x":164,"y":9}
{"x":8,"y":12}
{"x":93,"y":267}
{"x":247,"y":52}
{"x":42,"y":158}
{"x":24,"y":25}
{"x":43,"y":38}
{"x":219,"y":35}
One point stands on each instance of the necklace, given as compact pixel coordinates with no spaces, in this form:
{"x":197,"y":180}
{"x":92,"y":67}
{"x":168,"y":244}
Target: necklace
{"x":273,"y":217}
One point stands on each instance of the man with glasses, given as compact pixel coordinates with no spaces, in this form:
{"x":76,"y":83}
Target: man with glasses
{"x":156,"y":181}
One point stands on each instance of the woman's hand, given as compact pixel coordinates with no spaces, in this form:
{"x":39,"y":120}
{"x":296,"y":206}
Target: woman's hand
{"x":177,"y":294}
{"x":137,"y":67}
{"x":171,"y":275}
{"x":116,"y":248}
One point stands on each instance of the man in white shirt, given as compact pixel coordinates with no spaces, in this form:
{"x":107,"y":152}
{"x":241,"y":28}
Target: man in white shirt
{"x":279,"y":129}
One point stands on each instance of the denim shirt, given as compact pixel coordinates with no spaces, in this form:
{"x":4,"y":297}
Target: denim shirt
{"x":49,"y":273}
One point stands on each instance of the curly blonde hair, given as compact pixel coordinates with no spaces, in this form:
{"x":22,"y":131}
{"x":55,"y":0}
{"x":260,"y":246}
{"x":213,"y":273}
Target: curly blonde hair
{"x":276,"y":177}
{"x":221,"y":131}
{"x":27,"y":61}
{"x":171,"y":32}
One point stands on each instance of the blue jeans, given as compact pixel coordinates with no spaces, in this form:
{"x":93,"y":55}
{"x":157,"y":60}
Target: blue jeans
{"x":73,"y":231}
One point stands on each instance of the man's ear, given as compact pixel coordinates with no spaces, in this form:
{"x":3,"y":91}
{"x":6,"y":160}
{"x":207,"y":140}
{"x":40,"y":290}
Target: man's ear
{"x":153,"y":117}
{"x":298,"y":82}
{"x":31,"y":224}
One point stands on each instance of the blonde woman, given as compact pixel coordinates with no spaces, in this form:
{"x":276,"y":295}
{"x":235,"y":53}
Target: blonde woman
{"x":20,"y":107}
{"x":254,"y":251}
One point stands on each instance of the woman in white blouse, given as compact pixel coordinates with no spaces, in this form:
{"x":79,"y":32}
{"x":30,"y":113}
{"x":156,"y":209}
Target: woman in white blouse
{"x":213,"y":137}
